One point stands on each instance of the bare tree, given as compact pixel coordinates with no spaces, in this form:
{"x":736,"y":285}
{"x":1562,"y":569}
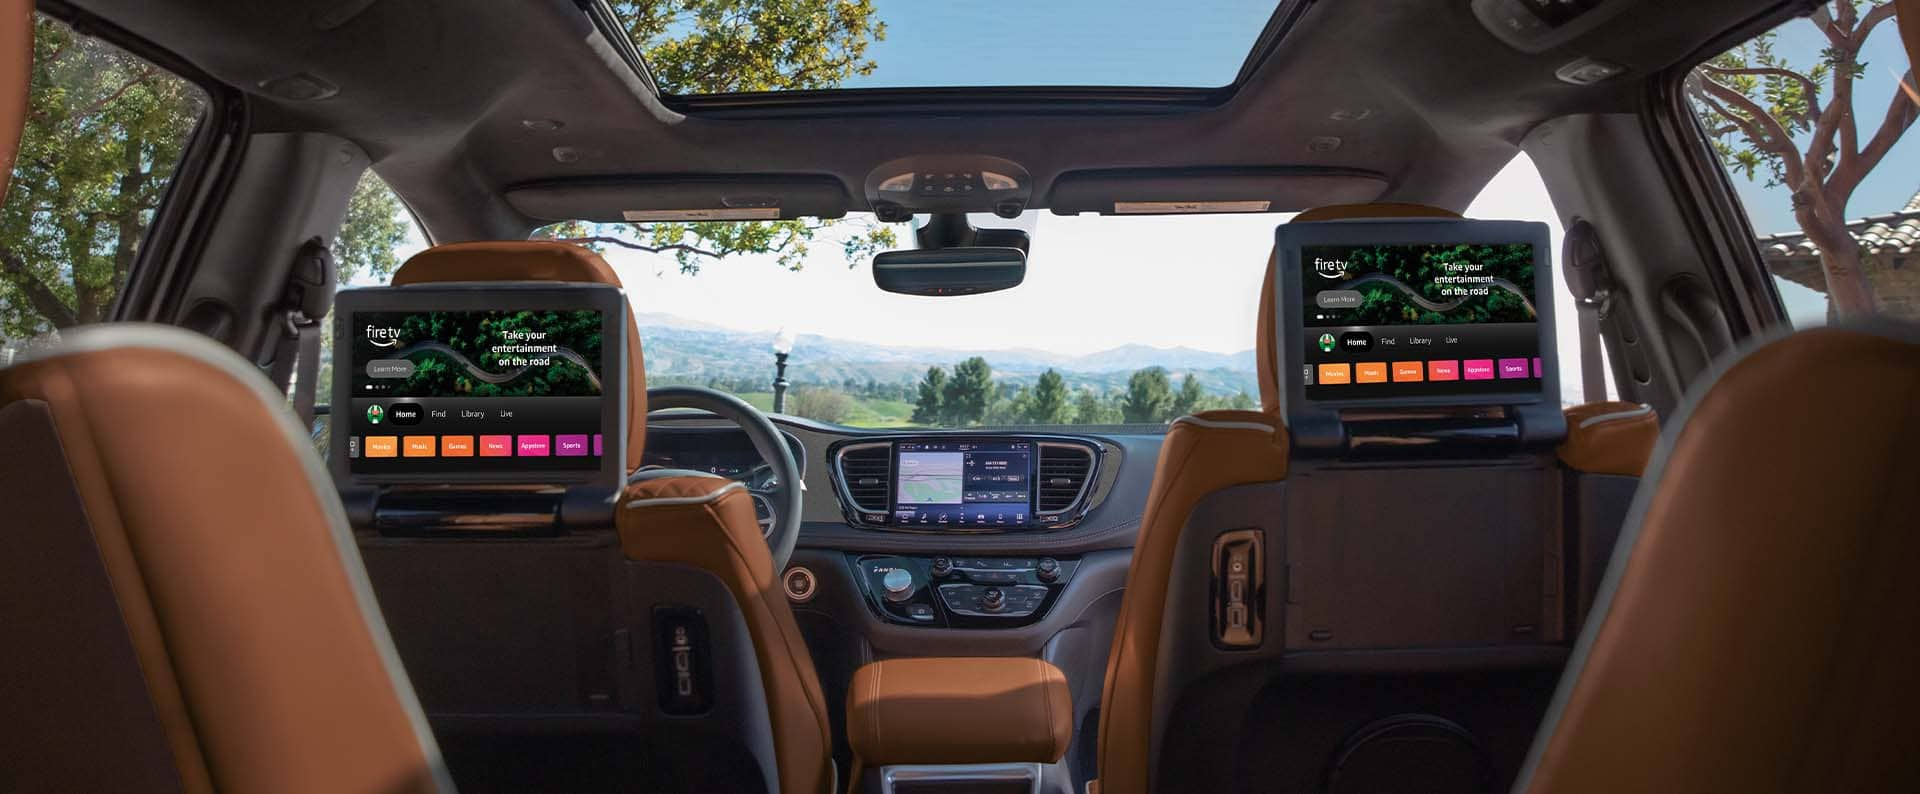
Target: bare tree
{"x":1798,"y":126}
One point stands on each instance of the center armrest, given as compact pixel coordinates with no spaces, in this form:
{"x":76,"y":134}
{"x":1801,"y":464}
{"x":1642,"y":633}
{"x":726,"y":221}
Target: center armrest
{"x":983,"y":710}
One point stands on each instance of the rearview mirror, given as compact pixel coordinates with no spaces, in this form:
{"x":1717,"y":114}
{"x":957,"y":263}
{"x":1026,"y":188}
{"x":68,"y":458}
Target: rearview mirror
{"x":950,"y":271}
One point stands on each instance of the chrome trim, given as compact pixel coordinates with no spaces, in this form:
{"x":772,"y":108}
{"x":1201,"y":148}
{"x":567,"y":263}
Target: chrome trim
{"x":892,"y":776}
{"x":805,"y":594}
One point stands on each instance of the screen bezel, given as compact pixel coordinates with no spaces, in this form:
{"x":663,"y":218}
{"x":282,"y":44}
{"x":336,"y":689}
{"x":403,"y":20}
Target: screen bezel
{"x":1290,"y":239}
{"x":609,"y":300}
{"x":1033,"y":483}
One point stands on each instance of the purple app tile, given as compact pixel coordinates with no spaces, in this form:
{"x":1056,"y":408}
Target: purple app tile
{"x":1536,"y":367}
{"x":1513,"y":368}
{"x":534,"y":447}
{"x":570,"y":446}
{"x":1477,"y":369}
{"x":596,"y":446}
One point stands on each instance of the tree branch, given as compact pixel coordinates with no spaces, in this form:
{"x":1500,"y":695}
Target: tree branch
{"x":39,"y":295}
{"x":1760,"y":127}
{"x":1900,"y":115}
{"x":77,"y":120}
{"x":651,"y":249}
{"x":1807,"y":84}
{"x":1879,"y":14}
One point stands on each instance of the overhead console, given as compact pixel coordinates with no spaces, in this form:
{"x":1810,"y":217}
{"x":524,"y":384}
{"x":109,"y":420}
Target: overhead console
{"x":1416,"y":333}
{"x":959,"y":482}
{"x":470,"y":389}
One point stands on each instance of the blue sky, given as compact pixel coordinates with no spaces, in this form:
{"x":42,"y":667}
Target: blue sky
{"x":1064,"y":42}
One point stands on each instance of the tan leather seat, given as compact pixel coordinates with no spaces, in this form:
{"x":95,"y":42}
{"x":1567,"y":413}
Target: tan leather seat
{"x":1218,"y":449}
{"x":181,"y":602}
{"x":1753,"y":632}
{"x":702,"y":521}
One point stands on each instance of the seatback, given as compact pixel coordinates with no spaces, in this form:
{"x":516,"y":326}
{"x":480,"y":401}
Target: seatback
{"x":1226,"y":475}
{"x":16,"y":72}
{"x":1752,"y":633}
{"x":669,"y":525}
{"x":181,"y":602}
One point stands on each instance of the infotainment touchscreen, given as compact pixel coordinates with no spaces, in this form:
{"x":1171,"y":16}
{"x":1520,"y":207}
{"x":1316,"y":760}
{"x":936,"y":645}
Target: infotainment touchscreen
{"x":447,"y":390}
{"x":1431,"y":319}
{"x":963,"y":484}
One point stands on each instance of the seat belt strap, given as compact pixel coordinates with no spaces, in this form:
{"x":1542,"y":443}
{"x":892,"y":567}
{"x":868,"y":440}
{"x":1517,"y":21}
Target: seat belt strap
{"x":1593,"y":373}
{"x":296,"y":355}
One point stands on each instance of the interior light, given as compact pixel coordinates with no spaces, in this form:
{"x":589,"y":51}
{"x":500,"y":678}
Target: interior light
{"x":901,"y":183}
{"x":995,"y":181}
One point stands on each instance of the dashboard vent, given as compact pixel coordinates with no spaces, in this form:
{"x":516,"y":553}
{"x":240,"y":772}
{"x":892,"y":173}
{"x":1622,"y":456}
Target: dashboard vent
{"x":867,"y":473}
{"x":1064,"y":469}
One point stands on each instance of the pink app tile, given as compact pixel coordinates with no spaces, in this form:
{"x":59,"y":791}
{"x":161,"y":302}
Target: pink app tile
{"x":1536,"y":368}
{"x":534,"y":447}
{"x":1443,"y":370}
{"x":596,"y":445}
{"x":570,"y":446}
{"x":1477,"y":369}
{"x":496,"y":446}
{"x":1513,"y":368}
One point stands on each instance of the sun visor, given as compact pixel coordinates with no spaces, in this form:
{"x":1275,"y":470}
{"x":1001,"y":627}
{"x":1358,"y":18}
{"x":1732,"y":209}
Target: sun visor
{"x":1209,"y":190}
{"x":682,"y":198}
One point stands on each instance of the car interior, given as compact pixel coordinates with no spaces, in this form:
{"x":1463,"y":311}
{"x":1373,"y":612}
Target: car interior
{"x":272,"y":528}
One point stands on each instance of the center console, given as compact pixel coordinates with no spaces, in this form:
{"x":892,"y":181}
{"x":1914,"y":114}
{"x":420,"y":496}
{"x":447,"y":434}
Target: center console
{"x":962,"y":592}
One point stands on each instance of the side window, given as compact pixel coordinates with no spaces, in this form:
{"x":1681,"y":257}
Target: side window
{"x":1812,"y":121}
{"x":1518,"y":193}
{"x":104,"y":132}
{"x":379,"y":233}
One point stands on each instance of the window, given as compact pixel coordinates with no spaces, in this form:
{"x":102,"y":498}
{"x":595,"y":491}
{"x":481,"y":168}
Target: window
{"x":104,"y":132}
{"x":378,"y":234}
{"x":1813,"y":121}
{"x":1517,"y":193}
{"x":727,"y":46}
{"x":1122,"y":320}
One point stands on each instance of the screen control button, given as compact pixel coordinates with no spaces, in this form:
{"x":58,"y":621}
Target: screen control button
{"x":800,"y":584}
{"x":405,"y":413}
{"x":1356,"y":341}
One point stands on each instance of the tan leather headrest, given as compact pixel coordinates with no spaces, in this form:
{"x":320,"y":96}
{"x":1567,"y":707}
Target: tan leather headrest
{"x":530,"y":260}
{"x":1267,"y":334}
{"x":16,"y":72}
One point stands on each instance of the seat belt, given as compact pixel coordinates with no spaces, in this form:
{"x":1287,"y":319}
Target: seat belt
{"x":1585,"y":267}
{"x":309,"y":295}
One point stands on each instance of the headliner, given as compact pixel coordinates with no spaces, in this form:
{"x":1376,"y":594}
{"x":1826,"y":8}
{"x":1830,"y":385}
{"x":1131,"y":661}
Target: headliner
{"x":437,"y":91}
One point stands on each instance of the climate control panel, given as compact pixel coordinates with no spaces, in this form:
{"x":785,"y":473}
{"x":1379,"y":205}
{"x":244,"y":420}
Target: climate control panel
{"x":962,"y":592}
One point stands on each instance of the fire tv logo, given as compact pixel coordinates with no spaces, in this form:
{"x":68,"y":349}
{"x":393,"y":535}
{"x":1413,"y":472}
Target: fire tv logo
{"x":383,"y":337}
{"x":1330,"y":268}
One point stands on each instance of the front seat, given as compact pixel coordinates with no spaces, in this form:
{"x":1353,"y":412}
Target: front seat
{"x":181,"y":601}
{"x":1754,"y":629}
{"x":181,"y":605}
{"x":702,"y":521}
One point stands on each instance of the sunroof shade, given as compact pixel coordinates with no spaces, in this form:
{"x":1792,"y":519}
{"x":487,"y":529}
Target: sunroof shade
{"x":735,"y":46}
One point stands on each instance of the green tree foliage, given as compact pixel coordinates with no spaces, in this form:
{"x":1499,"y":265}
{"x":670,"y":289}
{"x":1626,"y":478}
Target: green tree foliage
{"x":104,"y":132}
{"x":1190,"y":399}
{"x":728,"y":46}
{"x":1422,"y":268}
{"x":928,"y":409}
{"x":1091,"y":409}
{"x":967,"y":394}
{"x":1240,"y":402}
{"x":820,"y":404}
{"x":1149,"y":398}
{"x":374,"y":230}
{"x":1049,"y":405}
{"x":477,"y":336}
{"x":1796,"y":124}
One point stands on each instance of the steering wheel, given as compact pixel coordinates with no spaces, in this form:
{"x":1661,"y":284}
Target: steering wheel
{"x":779,"y":492}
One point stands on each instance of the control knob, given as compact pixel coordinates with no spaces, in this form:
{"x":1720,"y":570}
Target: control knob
{"x":942,"y":567}
{"x":993,"y":600}
{"x":1048,"y":569}
{"x":898,"y":583}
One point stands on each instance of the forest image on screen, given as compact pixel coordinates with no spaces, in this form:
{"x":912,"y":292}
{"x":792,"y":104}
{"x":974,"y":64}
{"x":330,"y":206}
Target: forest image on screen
{"x":1390,"y":321}
{"x":481,"y":353}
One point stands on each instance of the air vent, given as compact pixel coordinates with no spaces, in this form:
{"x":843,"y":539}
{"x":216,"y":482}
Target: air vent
{"x":866,"y":471}
{"x":1064,"y":469}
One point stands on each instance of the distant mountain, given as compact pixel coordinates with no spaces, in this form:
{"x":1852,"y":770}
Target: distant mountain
{"x":680,"y":348}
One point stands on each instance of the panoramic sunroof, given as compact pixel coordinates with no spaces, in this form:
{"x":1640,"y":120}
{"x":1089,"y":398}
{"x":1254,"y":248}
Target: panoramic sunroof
{"x":739,"y":46}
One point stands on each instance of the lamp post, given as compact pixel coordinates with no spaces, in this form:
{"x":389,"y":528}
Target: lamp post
{"x":782,"y":345}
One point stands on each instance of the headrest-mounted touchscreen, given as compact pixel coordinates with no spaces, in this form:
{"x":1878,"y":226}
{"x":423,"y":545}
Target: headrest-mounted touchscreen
{"x":480,"y":383}
{"x":1413,"y":313}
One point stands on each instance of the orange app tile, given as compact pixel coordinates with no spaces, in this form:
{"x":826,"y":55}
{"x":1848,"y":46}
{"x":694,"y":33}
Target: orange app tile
{"x":383,"y":446}
{"x":1335,"y":374}
{"x":456,"y":446}
{"x":1408,"y":372}
{"x":418,"y":446}
{"x":1370,"y":372}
